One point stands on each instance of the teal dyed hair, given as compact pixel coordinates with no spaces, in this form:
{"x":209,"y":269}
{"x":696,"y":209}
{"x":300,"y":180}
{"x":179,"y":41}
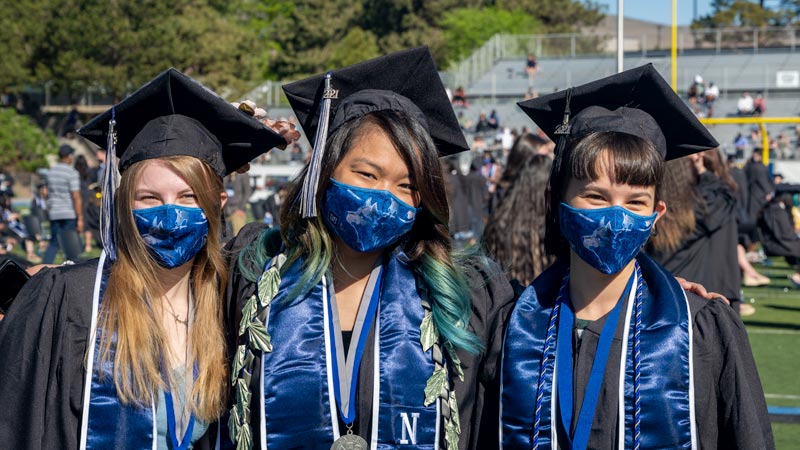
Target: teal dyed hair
{"x":427,"y":245}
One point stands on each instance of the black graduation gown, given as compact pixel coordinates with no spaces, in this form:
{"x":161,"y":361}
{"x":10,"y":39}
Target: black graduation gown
{"x":708,"y":255}
{"x":777,"y":232}
{"x":42,"y":354}
{"x":478,"y":394}
{"x":729,"y":401}
{"x":759,"y":186}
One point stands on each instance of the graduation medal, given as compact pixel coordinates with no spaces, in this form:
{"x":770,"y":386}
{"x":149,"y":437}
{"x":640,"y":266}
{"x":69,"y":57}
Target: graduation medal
{"x":350,"y":442}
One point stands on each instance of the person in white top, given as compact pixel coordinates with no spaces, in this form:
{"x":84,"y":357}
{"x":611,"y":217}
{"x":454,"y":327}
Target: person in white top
{"x":745,"y":104}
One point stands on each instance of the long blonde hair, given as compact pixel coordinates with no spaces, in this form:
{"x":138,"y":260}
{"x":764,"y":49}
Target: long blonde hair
{"x":127,"y":314}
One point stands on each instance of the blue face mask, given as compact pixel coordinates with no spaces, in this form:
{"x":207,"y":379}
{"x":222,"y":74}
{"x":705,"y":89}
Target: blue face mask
{"x":605,"y":238}
{"x":366,"y":219}
{"x":173,"y":233}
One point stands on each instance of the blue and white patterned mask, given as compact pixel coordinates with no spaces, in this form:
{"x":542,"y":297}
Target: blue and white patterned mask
{"x":605,"y":238}
{"x":366,"y":219}
{"x":173,"y":233}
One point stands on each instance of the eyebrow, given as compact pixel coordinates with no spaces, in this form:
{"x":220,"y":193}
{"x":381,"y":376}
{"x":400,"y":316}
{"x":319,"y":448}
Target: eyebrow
{"x":374,"y":166}
{"x":637,"y":194}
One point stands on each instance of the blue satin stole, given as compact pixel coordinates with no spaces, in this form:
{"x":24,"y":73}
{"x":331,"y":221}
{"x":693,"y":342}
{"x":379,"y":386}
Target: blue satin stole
{"x":110,"y":424}
{"x":665,"y":380}
{"x":296,"y":379}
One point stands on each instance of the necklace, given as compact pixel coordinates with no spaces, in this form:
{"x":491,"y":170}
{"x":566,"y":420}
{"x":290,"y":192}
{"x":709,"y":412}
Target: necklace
{"x":171,"y":311}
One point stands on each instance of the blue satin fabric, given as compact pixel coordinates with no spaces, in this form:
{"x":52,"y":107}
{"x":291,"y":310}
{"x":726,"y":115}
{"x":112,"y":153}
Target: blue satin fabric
{"x":297,"y":407}
{"x":664,"y":378}
{"x":113,"y":425}
{"x":173,"y":233}
{"x":404,"y":367}
{"x":366,"y":219}
{"x":606,"y":238}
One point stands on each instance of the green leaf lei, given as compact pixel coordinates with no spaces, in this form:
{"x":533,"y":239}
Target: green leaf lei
{"x":255,"y":337}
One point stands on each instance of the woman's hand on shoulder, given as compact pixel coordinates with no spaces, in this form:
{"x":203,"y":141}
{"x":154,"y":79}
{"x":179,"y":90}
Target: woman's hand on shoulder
{"x":700,"y":290}
{"x":286,"y":129}
{"x":33,"y":270}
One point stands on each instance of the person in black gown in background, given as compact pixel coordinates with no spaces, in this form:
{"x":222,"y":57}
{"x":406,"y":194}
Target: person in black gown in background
{"x":697,"y":240}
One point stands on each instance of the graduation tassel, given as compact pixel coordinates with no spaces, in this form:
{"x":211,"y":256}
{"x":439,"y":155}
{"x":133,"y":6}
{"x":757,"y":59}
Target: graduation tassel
{"x":563,"y":130}
{"x":110,"y":181}
{"x":308,"y":204}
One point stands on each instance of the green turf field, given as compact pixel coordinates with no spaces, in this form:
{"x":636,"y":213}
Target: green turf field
{"x":774,"y":332}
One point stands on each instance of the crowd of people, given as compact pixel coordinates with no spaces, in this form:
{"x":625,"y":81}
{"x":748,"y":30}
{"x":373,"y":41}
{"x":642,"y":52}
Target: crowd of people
{"x":393,"y":299}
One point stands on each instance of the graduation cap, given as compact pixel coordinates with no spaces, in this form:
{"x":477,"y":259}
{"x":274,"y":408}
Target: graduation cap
{"x":638,"y":102}
{"x":173,"y":115}
{"x":405,"y":81}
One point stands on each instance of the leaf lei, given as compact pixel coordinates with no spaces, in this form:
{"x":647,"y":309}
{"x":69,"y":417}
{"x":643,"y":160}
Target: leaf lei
{"x":438,"y":385}
{"x":255,"y":337}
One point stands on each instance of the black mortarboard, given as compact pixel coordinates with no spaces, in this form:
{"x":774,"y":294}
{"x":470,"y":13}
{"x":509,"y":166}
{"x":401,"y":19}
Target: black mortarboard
{"x":637,"y":102}
{"x":175,"y":115}
{"x":404,"y":81}
{"x":413,"y":86}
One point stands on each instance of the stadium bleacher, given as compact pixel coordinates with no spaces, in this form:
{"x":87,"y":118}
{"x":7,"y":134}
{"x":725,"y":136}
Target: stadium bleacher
{"x":730,"y":71}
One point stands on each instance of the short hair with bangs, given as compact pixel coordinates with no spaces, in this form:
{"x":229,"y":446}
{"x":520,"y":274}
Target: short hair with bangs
{"x":633,"y":161}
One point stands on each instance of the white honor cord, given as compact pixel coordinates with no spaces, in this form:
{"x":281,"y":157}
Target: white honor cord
{"x":439,"y":420}
{"x":623,"y":362}
{"x":328,"y":362}
{"x":692,"y":418}
{"x":155,"y":422}
{"x":262,"y":419}
{"x":219,"y":433}
{"x":90,"y":344}
{"x":500,"y":410}
{"x":553,"y":410}
{"x":376,"y":381}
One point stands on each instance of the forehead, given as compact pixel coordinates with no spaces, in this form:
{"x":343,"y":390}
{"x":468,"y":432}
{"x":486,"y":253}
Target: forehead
{"x":159,"y":176}
{"x":605,"y":177}
{"x":374,"y":145}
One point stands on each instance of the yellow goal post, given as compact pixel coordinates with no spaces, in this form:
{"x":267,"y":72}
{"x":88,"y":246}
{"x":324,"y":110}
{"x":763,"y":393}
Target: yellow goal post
{"x":760,"y":121}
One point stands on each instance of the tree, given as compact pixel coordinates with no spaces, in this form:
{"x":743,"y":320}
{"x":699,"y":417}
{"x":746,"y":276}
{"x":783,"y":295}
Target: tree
{"x":299,"y":38}
{"x":466,"y":28}
{"x":23,"y":145}
{"x":20,"y":31}
{"x":744,"y":13}
{"x":557,"y":16}
{"x":76,"y":44}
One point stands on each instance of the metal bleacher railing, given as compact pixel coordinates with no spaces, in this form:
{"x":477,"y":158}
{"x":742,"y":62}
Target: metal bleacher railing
{"x":655,"y":40}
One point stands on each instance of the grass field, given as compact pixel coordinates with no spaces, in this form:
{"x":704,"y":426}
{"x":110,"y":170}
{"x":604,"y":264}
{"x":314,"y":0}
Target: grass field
{"x":774,"y":332}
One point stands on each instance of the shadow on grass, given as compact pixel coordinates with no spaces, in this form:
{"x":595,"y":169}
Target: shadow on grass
{"x":783,"y":326}
{"x":783,"y":308}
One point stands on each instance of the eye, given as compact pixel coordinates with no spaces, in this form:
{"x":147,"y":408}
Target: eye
{"x":367,"y":175}
{"x":408,"y":186}
{"x":189,"y":195}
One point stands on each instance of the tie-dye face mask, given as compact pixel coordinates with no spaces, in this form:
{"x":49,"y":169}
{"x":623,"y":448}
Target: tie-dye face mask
{"x":173,"y":233}
{"x":605,"y":238}
{"x":366,"y":219}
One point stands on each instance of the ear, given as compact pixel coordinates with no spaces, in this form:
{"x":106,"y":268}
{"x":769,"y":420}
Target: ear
{"x":223,"y":198}
{"x":661,"y":209}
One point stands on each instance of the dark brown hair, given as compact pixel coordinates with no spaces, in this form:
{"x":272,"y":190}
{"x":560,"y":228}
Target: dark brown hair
{"x":515,"y":231}
{"x":714,"y":163}
{"x":681,"y":198}
{"x":633,"y":161}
